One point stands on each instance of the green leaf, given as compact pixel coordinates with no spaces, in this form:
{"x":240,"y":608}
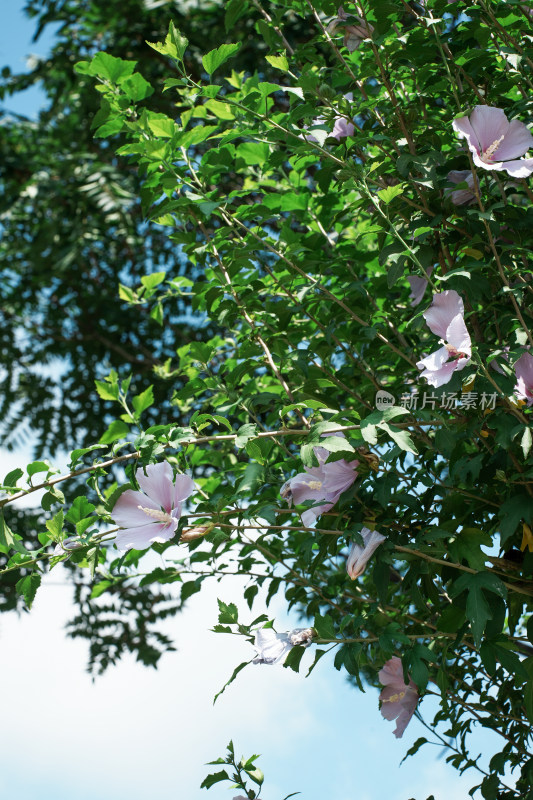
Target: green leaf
{"x":294,"y":657}
{"x":113,"y":69}
{"x":401,"y":437}
{"x":116,"y":430}
{"x":511,"y":513}
{"x":244,"y":434}
{"x":478,"y":608}
{"x":214,"y":59}
{"x":28,"y":587}
{"x":278,"y":62}
{"x":255,"y":774}
{"x":77,"y":454}
{"x":228,"y":614}
{"x":162,"y":126}
{"x":526,"y":442}
{"x":253,"y":477}
{"x":174,"y":46}
{"x":13,"y":476}
{"x":234,"y":10}
{"x":38,"y":466}
{"x":143,"y":401}
{"x":467,"y":546}
{"x":215,"y":777}
{"x":136,"y":87}
{"x":106,"y":391}
{"x":55,"y":526}
{"x":154,"y":279}
{"x":387,"y":195}
{"x":7,"y":538}
{"x":324,"y":627}
{"x":80,"y":509}
{"x":233,"y":676}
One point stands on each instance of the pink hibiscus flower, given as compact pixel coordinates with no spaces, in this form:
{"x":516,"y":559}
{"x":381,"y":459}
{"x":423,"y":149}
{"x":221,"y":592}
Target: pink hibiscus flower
{"x":418,"y":287}
{"x":445,"y":318}
{"x":398,"y":699}
{"x":353,"y":34}
{"x":358,"y":556}
{"x":341,"y":127}
{"x":524,"y":374}
{"x":152,"y":514}
{"x":326,"y":482}
{"x":461,"y":197}
{"x":495,"y":142}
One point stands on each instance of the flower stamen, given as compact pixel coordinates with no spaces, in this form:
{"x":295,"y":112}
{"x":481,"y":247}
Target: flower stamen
{"x":161,"y":516}
{"x":489,"y":152}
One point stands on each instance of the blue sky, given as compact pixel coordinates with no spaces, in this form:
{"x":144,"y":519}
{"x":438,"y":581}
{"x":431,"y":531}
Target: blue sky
{"x":136,"y":733}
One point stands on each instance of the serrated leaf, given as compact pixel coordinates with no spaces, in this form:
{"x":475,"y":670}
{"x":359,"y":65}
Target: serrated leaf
{"x":387,"y":195}
{"x":324,"y":627}
{"x":215,"y":58}
{"x":116,"y":430}
{"x":215,"y":777}
{"x":111,"y":68}
{"x":28,"y":586}
{"x":228,"y":613}
{"x":55,"y":526}
{"x":80,"y":509}
{"x":294,"y":657}
{"x":278,"y":62}
{"x":143,"y":401}
{"x":106,"y":391}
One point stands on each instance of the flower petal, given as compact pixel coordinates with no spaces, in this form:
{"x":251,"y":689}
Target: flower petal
{"x":457,"y":335}
{"x":342,"y":129}
{"x":359,"y":556}
{"x":521,"y":168}
{"x":489,"y":124}
{"x":443,"y":375}
{"x":338,"y":476}
{"x":142,"y":537}
{"x":307,"y":485}
{"x":445,"y":306}
{"x":516,"y":142}
{"x":497,"y":166}
{"x":310,"y":515}
{"x":524,"y":374}
{"x":418,"y":287}
{"x":126,"y":512}
{"x":464,"y":130}
{"x":183,"y":488}
{"x":158,"y":483}
{"x":271,"y":646}
{"x":435,"y":360}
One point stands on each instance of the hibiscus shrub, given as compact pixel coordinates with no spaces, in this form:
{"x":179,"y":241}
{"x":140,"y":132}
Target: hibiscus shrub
{"x":359,"y":430}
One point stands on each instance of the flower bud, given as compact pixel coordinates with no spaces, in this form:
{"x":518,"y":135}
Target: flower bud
{"x":190,"y":534}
